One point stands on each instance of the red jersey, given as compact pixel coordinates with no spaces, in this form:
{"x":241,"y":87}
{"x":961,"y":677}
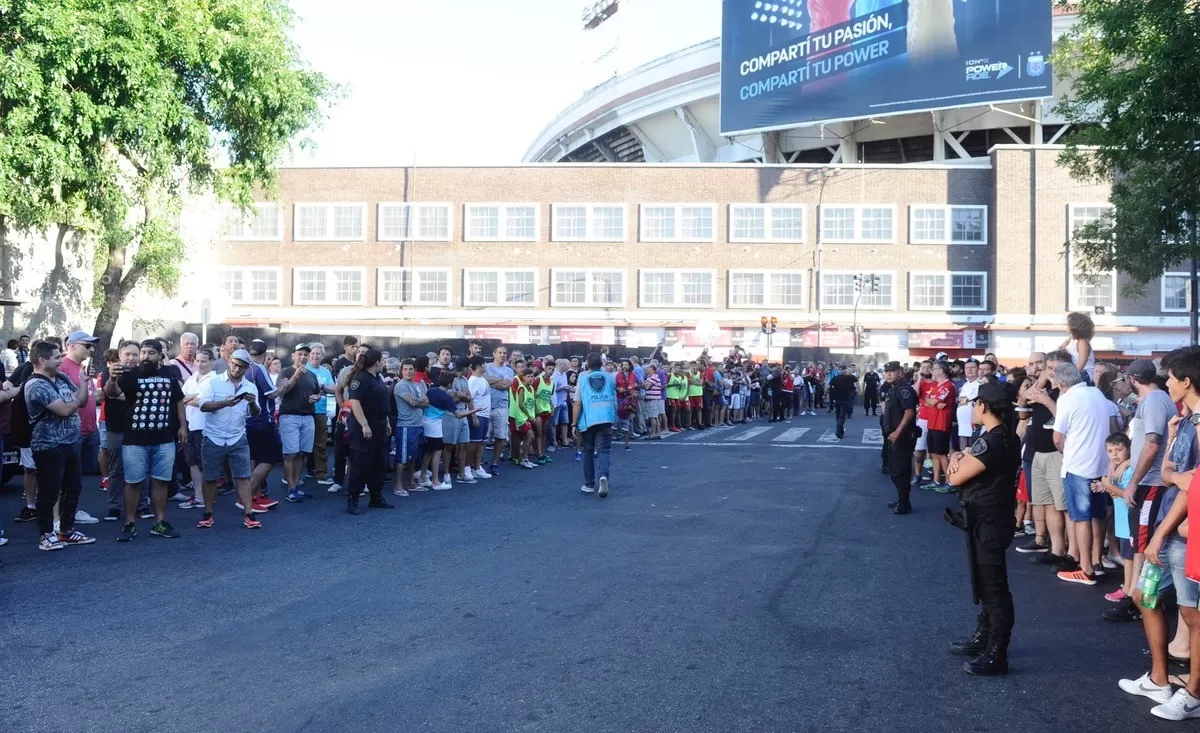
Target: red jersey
{"x":1192,"y":565}
{"x":940,"y":417}
{"x":789,"y":382}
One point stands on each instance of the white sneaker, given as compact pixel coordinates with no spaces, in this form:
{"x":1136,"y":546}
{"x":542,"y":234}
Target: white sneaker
{"x":179,"y":496}
{"x":587,"y":489}
{"x":447,"y":481}
{"x":3,"y":541}
{"x":603,"y":492}
{"x":425,"y":484}
{"x":528,"y":464}
{"x":193,"y":502}
{"x":333,"y":488}
{"x":442,"y":487}
{"x":466,"y":479}
{"x":82,"y":517}
{"x":551,"y":448}
{"x":50,"y":542}
{"x":1146,"y":688}
{"x":326,"y":482}
{"x":467,"y":474}
{"x":1181,"y":706}
{"x":480,"y":473}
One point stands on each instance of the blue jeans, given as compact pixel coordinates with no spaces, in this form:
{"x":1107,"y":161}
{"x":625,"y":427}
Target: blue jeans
{"x":89,"y":453}
{"x":1083,"y":503}
{"x":597,"y":448}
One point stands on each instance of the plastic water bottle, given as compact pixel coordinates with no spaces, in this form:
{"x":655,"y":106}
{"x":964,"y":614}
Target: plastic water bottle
{"x":1150,"y":586}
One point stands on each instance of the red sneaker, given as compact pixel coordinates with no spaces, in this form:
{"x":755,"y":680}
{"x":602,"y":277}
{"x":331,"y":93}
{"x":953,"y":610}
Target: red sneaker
{"x":251,"y":522}
{"x":254,"y":507}
{"x":206,"y":522}
{"x":265,"y":501}
{"x":104,"y":482}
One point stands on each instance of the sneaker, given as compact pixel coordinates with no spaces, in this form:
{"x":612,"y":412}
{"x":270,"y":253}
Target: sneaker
{"x":206,"y":522}
{"x":254,"y":507}
{"x":526,"y":464}
{"x":442,"y":487}
{"x":28,"y":514}
{"x":579,"y":454}
{"x":1098,"y":570}
{"x":446,"y":480}
{"x":1076,"y":576}
{"x":294,"y":496}
{"x":225,"y":490}
{"x":467,"y":479}
{"x":128,"y":532}
{"x":587,"y":489}
{"x":113,"y":515}
{"x":548,"y":459}
{"x":75,"y":538}
{"x":266,"y":502}
{"x":1030,"y":528}
{"x":1068,"y":564}
{"x":1109,"y":563}
{"x":1032,"y":547}
{"x":325,"y":481}
{"x":494,"y":469}
{"x":423,"y":485}
{"x":250,"y":522}
{"x":400,"y":492}
{"x":146,"y":512}
{"x":1143,"y":686}
{"x":164,"y":529}
{"x":479,"y":473}
{"x":1181,"y":706}
{"x":467,"y":473}
{"x":50,"y":542}
{"x":1048,"y":558}
{"x":1116,"y":596}
{"x":603,"y":490}
{"x":82,"y":517}
{"x":551,"y":448}
{"x":303,"y":494}
{"x":3,"y":541}
{"x":193,"y":502}
{"x":179,"y":496}
{"x":1125,"y":610}
{"x":104,"y":483}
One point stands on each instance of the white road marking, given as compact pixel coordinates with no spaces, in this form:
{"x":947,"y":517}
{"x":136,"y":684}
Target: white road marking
{"x":791,"y":435}
{"x":818,"y":446}
{"x":872,"y":436}
{"x":750,"y":433}
{"x":829,"y":436}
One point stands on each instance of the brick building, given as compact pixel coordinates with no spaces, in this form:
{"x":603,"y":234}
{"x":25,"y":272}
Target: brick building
{"x":967,"y":257}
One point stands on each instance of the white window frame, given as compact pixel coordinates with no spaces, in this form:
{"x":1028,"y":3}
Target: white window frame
{"x":678,"y":288}
{"x":247,"y":287}
{"x":228,"y":213}
{"x":331,"y":286}
{"x":329,"y":223}
{"x":1072,"y":288}
{"x":949,"y":286}
{"x":768,"y":219}
{"x":767,"y":289}
{"x":1162,"y":298}
{"x":949,"y":212}
{"x":502,"y":221}
{"x":589,"y":282}
{"x":857,"y":237}
{"x":415,"y":273}
{"x":862,"y":306}
{"x":677,"y":237}
{"x":466,"y":290}
{"x":414,"y":221}
{"x":590,"y":219}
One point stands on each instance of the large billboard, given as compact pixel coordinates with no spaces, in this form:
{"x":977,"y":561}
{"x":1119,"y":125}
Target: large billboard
{"x":789,"y":62}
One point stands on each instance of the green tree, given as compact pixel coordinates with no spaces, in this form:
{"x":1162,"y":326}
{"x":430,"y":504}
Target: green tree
{"x":1134,"y":73}
{"x":116,"y":109}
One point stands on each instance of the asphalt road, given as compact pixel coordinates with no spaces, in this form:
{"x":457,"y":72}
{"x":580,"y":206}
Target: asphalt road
{"x":741,"y":586}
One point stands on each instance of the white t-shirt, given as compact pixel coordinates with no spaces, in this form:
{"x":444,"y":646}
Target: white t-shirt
{"x":191,"y":388}
{"x":969,"y":391}
{"x":1082,"y":417}
{"x":481,"y":394}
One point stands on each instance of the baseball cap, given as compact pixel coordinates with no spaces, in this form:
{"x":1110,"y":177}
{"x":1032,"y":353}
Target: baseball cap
{"x":1143,"y":370}
{"x":941,"y":356}
{"x":81,"y":337}
{"x":992,"y":391}
{"x":302,"y":347}
{"x":241,"y":355}
{"x":257,"y":347}
{"x":893,"y":366}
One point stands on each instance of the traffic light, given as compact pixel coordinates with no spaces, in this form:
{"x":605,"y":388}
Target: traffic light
{"x":774,"y":322}
{"x":874,"y":283}
{"x":764,"y":324}
{"x":858,"y":283}
{"x":864,"y":339}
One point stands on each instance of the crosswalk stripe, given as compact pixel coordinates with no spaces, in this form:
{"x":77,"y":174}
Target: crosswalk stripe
{"x":791,"y":435}
{"x":872,"y":436}
{"x":697,"y":435}
{"x":829,"y":436}
{"x":752,"y":432}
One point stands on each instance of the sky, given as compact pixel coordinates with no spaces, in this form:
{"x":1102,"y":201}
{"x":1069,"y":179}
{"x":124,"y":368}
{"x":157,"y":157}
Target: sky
{"x":439,"y":81}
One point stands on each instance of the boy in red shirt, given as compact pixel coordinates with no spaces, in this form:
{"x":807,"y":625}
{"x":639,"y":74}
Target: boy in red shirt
{"x":939,"y":401}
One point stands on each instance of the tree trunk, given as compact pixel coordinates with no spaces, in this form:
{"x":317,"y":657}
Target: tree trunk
{"x":7,"y":276}
{"x":116,"y":284}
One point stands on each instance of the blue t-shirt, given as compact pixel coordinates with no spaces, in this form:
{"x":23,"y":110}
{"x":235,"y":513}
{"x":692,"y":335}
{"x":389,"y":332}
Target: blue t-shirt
{"x":1121,"y":509}
{"x":50,"y":430}
{"x":499,"y":396}
{"x":327,"y":406}
{"x":258,"y":375}
{"x":1183,"y":455}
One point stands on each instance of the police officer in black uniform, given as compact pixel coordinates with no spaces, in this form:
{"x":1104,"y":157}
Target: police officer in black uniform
{"x":885,"y":389}
{"x":986,"y":477}
{"x":900,"y":433}
{"x":370,"y":431}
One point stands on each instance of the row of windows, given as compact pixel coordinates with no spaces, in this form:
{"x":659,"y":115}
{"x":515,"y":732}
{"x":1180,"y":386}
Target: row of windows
{"x":780,"y":223}
{"x":607,"y":288}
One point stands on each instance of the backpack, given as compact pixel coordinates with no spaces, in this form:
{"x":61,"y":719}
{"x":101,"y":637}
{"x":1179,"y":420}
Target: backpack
{"x":20,"y":430}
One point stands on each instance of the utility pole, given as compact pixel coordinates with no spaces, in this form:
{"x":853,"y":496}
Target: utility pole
{"x":768,"y":328}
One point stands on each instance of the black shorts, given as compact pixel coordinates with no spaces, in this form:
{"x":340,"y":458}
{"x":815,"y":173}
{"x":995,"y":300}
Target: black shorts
{"x":937,"y":442}
{"x":264,"y":444}
{"x":432,"y":445}
{"x":191,"y":449}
